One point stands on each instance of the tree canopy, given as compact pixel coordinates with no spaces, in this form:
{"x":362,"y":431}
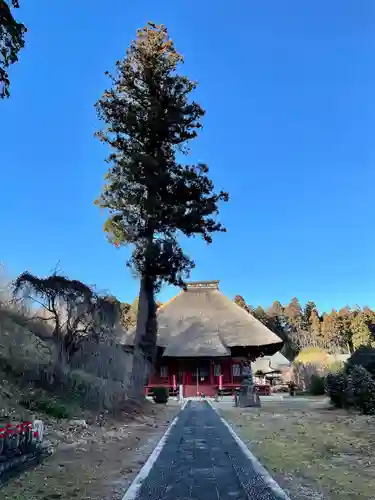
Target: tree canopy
{"x":304,"y":328}
{"x":74,"y":310}
{"x":150,"y":196}
{"x":11,"y":42}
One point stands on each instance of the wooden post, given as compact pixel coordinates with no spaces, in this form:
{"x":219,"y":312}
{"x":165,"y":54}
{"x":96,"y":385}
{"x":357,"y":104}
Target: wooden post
{"x":212,"y":376}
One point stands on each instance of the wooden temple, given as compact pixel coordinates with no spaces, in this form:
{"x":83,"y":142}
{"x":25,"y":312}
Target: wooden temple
{"x":206,"y":343}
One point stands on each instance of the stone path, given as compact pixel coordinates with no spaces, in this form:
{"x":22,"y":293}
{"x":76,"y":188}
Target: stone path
{"x":201,"y":460}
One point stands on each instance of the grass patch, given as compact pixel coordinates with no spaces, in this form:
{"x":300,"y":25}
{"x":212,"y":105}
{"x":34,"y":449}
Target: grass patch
{"x":307,"y":444}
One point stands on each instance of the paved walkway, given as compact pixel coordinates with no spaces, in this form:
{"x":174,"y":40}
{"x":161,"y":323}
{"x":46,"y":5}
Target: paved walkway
{"x":201,"y":460}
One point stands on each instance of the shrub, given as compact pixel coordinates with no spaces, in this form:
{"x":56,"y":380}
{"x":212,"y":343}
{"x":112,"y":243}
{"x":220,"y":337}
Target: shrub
{"x":160,"y":395}
{"x":317,"y":385}
{"x":47,"y":406}
{"x":362,"y":388}
{"x":336,"y":387}
{"x":364,"y":356}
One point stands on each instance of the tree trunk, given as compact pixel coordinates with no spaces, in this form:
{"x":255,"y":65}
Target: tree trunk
{"x":145,"y":336}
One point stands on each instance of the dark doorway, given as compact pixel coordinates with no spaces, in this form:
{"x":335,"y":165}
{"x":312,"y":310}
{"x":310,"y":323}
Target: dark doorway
{"x":201,"y":372}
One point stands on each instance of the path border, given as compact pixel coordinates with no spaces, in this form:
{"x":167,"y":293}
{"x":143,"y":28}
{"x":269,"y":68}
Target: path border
{"x":258,"y":467}
{"x":133,"y":490}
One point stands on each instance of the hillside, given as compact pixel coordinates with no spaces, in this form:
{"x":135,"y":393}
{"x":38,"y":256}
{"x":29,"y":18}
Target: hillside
{"x":90,"y":424}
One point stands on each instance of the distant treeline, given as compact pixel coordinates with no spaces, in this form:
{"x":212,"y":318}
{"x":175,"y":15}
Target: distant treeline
{"x":300,"y":326}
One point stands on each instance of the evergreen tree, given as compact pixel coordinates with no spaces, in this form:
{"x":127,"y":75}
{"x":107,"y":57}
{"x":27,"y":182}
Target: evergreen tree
{"x":150,"y":196}
{"x":306,"y":316}
{"x":293,"y":313}
{"x":344,"y":319}
{"x":278,"y":324}
{"x":329,"y":332}
{"x":11,"y":42}
{"x":276,"y":319}
{"x":240,"y":301}
{"x":294,"y":324}
{"x":260,"y":314}
{"x":315,"y":328}
{"x":276,"y":309}
{"x":363,"y":329}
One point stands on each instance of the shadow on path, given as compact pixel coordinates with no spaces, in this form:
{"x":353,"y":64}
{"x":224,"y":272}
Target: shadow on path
{"x":202,"y":460}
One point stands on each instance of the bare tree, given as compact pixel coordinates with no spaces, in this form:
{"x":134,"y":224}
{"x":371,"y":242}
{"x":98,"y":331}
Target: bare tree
{"x":73,"y":309}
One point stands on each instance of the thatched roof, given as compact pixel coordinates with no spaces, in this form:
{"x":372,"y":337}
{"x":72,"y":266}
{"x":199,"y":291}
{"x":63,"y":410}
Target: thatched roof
{"x":271,"y":364}
{"x":201,"y":321}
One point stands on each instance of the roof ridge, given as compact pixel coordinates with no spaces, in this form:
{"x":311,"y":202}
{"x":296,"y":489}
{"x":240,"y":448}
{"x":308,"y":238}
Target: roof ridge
{"x":203,"y":284}
{"x":169,"y":301}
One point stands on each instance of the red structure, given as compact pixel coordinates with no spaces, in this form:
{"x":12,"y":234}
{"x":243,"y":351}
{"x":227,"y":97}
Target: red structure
{"x":206,"y":343}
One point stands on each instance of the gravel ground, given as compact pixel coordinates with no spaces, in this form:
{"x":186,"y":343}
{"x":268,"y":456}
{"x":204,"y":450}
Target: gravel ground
{"x":94,"y":463}
{"x":311,"y":450}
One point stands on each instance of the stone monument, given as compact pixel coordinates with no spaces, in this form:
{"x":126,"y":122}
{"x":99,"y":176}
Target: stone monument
{"x":248,"y":397}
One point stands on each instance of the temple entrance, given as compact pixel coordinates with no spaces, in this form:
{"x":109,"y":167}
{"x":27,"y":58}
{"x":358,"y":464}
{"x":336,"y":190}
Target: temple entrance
{"x":200,"y":375}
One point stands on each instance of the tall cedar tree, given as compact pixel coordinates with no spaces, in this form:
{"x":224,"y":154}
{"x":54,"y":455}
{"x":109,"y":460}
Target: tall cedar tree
{"x":277,"y":324}
{"x":150,"y":196}
{"x":294,"y":324}
{"x":344,"y":319}
{"x":11,"y":42}
{"x":329,"y":331}
{"x":363,"y":329}
{"x":315,"y":328}
{"x":310,"y":306}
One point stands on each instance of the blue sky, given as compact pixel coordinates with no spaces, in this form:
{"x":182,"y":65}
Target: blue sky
{"x":288,"y":88}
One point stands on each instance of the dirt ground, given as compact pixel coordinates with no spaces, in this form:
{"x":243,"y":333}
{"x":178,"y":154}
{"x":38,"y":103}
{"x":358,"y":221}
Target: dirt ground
{"x":311,"y":450}
{"x":98,"y":462}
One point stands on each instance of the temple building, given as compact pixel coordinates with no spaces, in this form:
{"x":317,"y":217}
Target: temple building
{"x":271,"y":369}
{"x":206,"y":342}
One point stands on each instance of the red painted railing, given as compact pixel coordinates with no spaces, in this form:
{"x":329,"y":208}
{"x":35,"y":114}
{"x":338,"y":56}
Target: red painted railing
{"x":208,"y":390}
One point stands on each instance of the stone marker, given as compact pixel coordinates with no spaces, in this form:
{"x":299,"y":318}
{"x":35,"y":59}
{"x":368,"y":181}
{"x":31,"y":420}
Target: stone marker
{"x":248,"y":397}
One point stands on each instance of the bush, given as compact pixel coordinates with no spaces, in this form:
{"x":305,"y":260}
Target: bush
{"x":353,"y":387}
{"x":160,"y":395}
{"x":364,"y":356}
{"x":362,"y":388}
{"x":317,"y":385}
{"x":336,"y":389}
{"x":47,"y":406}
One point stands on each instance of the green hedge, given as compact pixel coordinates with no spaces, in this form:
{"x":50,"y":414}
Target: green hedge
{"x":353,"y":387}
